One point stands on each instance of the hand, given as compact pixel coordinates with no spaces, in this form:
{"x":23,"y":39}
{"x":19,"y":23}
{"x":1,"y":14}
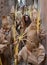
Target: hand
{"x":15,"y":43}
{"x":31,"y":58}
{"x":5,"y":42}
{"x":3,"y":47}
{"x":16,"y":56}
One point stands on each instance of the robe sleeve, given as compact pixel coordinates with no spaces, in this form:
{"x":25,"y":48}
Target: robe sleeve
{"x":20,"y":55}
{"x":41,"y":54}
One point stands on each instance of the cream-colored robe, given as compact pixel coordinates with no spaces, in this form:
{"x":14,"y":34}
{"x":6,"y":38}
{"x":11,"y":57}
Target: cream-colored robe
{"x":35,"y":57}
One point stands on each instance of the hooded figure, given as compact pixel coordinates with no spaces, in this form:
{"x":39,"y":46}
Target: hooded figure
{"x":33,"y":52}
{"x":6,"y":30}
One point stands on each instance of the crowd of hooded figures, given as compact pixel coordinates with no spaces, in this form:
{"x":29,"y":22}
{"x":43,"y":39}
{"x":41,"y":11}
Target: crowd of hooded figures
{"x":31,"y":51}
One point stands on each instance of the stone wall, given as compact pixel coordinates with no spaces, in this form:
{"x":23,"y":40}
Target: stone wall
{"x":5,"y":7}
{"x":29,"y":2}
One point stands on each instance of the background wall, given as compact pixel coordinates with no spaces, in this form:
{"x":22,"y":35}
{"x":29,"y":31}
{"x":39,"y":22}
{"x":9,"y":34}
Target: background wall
{"x":5,"y":7}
